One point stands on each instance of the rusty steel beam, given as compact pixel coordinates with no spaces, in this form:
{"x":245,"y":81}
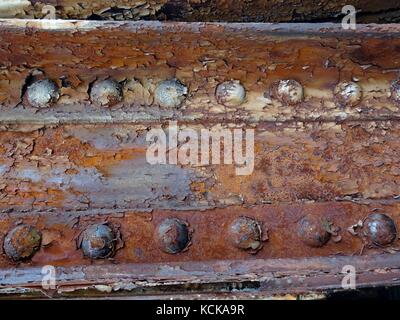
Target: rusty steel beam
{"x":273,"y":232}
{"x":78,"y":99}
{"x":323,"y":60}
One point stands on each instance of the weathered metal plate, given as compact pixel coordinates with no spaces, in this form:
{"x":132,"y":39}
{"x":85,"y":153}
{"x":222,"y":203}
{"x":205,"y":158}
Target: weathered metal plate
{"x":79,"y":167}
{"x":74,"y":163}
{"x":75,"y":54}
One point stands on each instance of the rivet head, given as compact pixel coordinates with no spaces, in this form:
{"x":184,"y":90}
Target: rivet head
{"x":42,"y":93}
{"x":246,"y":234}
{"x":380,"y":229}
{"x":22,"y":242}
{"x":395,"y":90}
{"x":170,"y":93}
{"x":289,"y":92}
{"x":173,"y":235}
{"x":230,"y":93}
{"x":313,"y":232}
{"x":106,"y":93}
{"x":98,"y":242}
{"x":348,"y":94}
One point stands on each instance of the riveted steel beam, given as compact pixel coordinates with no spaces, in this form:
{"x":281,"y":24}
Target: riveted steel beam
{"x":78,"y":192}
{"x":324,"y":61}
{"x":142,"y":236}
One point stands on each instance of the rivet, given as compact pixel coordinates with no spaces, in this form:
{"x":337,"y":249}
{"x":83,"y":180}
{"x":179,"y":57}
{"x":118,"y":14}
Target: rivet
{"x":380,"y":229}
{"x":170,"y":93}
{"x":106,"y":92}
{"x":313,"y":232}
{"x":246,"y":234}
{"x":22,"y":242}
{"x":42,"y":93}
{"x":348,"y":94}
{"x":173,"y":235}
{"x":289,"y":92}
{"x":230,"y":93}
{"x":98,"y":242}
{"x":395,"y":90}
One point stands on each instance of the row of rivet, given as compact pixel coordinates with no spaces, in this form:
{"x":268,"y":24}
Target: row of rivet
{"x":174,"y":235}
{"x":171,"y":93}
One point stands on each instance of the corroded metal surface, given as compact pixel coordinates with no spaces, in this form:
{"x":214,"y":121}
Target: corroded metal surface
{"x":104,"y":166}
{"x":200,"y":56}
{"x":210,"y":231}
{"x":77,"y":104}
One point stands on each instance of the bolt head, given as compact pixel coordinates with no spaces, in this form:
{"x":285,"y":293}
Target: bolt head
{"x":289,"y":92}
{"x":98,"y":242}
{"x":42,"y":93}
{"x":106,"y":93}
{"x":246,"y":234}
{"x":348,"y":94}
{"x":380,"y":229}
{"x":230,"y":93}
{"x":173,"y":235}
{"x":170,"y":93}
{"x":395,"y":90}
{"x":22,"y":242}
{"x":313,"y":232}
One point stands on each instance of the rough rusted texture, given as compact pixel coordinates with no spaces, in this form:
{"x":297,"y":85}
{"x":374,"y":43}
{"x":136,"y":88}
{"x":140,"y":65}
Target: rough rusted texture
{"x":42,"y":93}
{"x":173,"y":235}
{"x":380,"y":229}
{"x":313,"y":231}
{"x":348,"y":94}
{"x":170,"y":93}
{"x":80,"y":9}
{"x":288,"y":92}
{"x":246,"y":234}
{"x":105,"y":166}
{"x":106,"y":93}
{"x":201,"y":56}
{"x":22,"y":242}
{"x":210,"y":238}
{"x":98,"y":242}
{"x":230,"y":93}
{"x":76,"y":164}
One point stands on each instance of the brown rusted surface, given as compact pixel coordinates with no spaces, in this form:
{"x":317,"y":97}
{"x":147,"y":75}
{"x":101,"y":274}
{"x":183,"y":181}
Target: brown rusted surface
{"x":22,"y":242}
{"x":380,"y":229}
{"x":210,"y":233}
{"x":104,"y":166}
{"x":72,"y":164}
{"x":314,"y":231}
{"x":201,"y":56}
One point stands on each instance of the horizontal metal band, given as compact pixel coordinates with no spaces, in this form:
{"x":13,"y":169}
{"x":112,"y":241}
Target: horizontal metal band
{"x":271,"y":276}
{"x":331,"y":228}
{"x":105,"y":166}
{"x":339,"y":75}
